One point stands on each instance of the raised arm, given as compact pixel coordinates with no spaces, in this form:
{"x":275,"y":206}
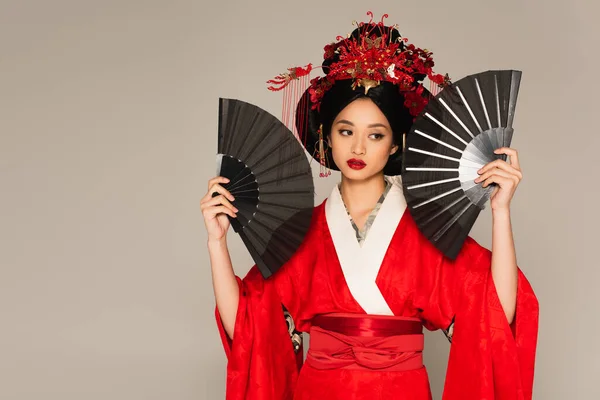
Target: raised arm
{"x":225,"y":285}
{"x":504,"y":260}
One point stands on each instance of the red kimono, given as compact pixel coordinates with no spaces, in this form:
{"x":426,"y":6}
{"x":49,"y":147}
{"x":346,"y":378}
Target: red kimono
{"x":396,"y":272}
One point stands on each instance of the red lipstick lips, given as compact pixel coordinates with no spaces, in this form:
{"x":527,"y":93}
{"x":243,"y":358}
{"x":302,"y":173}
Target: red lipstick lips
{"x":356,"y":164}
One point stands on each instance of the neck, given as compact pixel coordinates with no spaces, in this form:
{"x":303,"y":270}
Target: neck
{"x":361,"y":195}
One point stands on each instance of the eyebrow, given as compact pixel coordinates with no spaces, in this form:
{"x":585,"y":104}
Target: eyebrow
{"x":376,"y":125}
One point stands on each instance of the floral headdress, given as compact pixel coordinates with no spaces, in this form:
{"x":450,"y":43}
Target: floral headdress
{"x":367,"y":58}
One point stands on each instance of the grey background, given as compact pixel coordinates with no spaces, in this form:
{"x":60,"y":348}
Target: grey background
{"x":108,"y":115}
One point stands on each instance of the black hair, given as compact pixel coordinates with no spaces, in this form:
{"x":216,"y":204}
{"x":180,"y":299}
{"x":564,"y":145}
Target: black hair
{"x":386,"y":97}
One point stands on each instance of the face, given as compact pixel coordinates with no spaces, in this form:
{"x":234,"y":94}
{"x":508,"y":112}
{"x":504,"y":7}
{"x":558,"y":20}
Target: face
{"x":361,"y":140}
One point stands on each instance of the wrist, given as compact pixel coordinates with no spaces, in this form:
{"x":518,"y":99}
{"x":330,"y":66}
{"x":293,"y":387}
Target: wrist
{"x":503,"y":212}
{"x":217,"y":243}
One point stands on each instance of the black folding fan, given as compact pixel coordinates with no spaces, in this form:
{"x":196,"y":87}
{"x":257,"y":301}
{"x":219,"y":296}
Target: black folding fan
{"x":454,"y":136}
{"x":271,"y":180}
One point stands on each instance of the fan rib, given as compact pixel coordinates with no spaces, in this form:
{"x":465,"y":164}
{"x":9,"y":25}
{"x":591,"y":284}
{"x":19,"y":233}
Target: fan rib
{"x":437,"y":141}
{"x":473,"y":157}
{"x":443,"y":210}
{"x":266,"y":203}
{"x":270,"y":216}
{"x":440,"y":182}
{"x":250,"y":129}
{"x":276,"y":166}
{"x":438,"y":197}
{"x":267,"y":193}
{"x":256,"y":221}
{"x":462,"y":97}
{"x":431,"y":117}
{"x":465,"y":178}
{"x":235,"y":179}
{"x":300,"y":174}
{"x":256,"y":237}
{"x":497,"y":93}
{"x":264,"y":246}
{"x":515,"y":81}
{"x":448,"y":224}
{"x":268,"y":155}
{"x":239,"y":183}
{"x":235,"y":119}
{"x":240,"y":193}
{"x":252,"y":150}
{"x":487,"y":117}
{"x":456,"y":118}
{"x":432,"y":169}
{"x":429,"y":153}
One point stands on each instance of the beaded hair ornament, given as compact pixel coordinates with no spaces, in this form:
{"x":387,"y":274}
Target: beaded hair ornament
{"x":368,"y":59}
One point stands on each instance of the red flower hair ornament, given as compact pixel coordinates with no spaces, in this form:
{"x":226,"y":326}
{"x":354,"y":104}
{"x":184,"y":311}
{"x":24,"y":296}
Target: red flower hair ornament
{"x":373,"y":53}
{"x":369,"y":59}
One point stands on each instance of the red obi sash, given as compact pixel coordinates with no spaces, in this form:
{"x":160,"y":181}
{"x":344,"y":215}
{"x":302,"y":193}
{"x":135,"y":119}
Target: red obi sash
{"x":355,"y":341}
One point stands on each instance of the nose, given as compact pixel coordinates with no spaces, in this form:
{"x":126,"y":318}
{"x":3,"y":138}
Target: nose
{"x":358,"y":145}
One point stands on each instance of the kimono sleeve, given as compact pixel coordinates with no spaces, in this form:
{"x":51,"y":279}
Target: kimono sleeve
{"x":261,"y":362}
{"x":489,"y":359}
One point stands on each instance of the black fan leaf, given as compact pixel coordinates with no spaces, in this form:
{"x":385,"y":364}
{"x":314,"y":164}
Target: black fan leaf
{"x":271,"y":180}
{"x":454,"y":136}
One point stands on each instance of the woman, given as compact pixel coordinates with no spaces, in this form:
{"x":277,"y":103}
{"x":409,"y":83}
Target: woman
{"x":365,"y":280}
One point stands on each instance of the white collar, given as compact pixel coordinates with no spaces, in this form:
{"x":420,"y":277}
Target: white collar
{"x":361,"y":265}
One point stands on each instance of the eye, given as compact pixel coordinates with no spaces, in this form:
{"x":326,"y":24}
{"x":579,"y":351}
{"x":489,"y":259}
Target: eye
{"x":344,"y":131}
{"x":377,"y":135}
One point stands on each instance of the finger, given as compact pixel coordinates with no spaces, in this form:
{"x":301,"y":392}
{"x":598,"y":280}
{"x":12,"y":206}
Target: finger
{"x":503,"y":182}
{"x":217,"y":179}
{"x":512,"y":153}
{"x":495,"y":171}
{"x":503,"y":165}
{"x":211,"y":212}
{"x":217,"y":188}
{"x":218,"y":200}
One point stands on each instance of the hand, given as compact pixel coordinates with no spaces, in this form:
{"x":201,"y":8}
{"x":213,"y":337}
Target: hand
{"x":507,"y":176}
{"x":215,"y":208}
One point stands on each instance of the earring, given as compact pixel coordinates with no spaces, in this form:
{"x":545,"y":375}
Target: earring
{"x":319,"y":154}
{"x":403,"y":142}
